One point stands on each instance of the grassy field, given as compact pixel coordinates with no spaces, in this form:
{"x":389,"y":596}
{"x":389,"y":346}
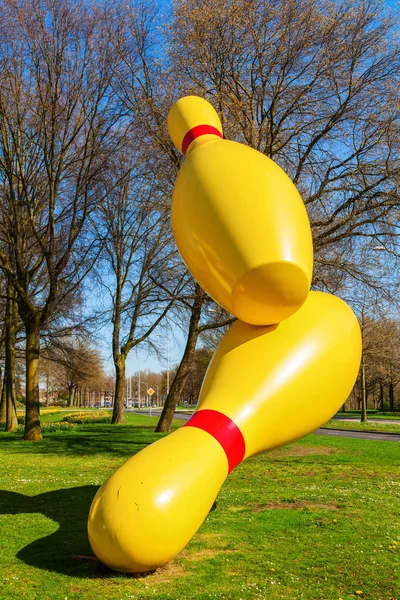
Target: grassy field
{"x":370,"y":426}
{"x":316,"y":520}
{"x":356,"y":414}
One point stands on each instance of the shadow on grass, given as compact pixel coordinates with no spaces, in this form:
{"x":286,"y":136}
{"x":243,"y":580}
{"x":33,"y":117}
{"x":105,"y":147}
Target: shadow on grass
{"x":70,"y":509}
{"x":120,"y":440}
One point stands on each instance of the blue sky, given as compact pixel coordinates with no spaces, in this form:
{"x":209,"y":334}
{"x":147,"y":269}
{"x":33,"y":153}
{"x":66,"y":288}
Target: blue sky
{"x":141,"y":359}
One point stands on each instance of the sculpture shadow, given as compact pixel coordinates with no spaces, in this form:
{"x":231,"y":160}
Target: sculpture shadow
{"x":69,"y":508}
{"x":91,"y":441}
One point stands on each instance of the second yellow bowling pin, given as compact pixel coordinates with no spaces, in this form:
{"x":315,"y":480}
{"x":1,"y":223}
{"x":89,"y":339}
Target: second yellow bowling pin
{"x":265,"y":387}
{"x":238,"y":220}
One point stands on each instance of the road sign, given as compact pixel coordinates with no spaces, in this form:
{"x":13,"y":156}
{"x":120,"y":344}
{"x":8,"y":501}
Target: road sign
{"x":150,"y":391}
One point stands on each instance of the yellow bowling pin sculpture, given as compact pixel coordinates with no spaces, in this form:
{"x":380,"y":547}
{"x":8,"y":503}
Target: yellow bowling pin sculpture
{"x":279,"y":373}
{"x":239,"y":222}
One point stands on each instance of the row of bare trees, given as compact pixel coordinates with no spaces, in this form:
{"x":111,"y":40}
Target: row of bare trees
{"x":87,"y":167}
{"x":377,"y":383}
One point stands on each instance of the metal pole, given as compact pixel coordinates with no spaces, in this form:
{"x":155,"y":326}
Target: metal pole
{"x":139,"y":388}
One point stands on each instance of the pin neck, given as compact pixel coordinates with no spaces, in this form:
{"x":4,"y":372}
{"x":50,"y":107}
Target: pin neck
{"x":224,"y":430}
{"x":196,"y":132}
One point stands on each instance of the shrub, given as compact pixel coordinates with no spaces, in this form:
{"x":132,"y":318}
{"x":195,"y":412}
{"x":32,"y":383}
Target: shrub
{"x":80,"y":418}
{"x":50,"y":427}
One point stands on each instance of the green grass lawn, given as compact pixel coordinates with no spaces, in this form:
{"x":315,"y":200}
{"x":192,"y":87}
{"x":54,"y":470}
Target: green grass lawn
{"x":369,"y":426}
{"x":372,"y":414}
{"x":316,"y":520}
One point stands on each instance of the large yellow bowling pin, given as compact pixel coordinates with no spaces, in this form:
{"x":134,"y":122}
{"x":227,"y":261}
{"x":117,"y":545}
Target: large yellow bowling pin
{"x":239,"y":222}
{"x":266,"y":386}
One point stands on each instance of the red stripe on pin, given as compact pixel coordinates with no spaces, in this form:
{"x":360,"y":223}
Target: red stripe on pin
{"x":224,"y":430}
{"x":196,"y":132}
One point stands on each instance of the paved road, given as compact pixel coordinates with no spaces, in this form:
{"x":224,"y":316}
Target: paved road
{"x":363,"y":435}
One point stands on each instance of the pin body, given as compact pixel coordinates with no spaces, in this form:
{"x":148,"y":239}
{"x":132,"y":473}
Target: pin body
{"x":149,"y":509}
{"x":270,"y":385}
{"x":239,"y":222}
{"x":297,"y":374}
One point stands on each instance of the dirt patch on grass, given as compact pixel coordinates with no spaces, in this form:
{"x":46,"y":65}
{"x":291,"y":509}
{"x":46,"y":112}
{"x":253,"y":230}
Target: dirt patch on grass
{"x":294,"y":506}
{"x":216,"y":545}
{"x":237,"y":507}
{"x":305,"y":451}
{"x":166,"y":573}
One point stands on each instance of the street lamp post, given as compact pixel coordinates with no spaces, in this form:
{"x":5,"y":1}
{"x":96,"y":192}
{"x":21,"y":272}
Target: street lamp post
{"x":158,"y":394}
{"x":147,"y":387}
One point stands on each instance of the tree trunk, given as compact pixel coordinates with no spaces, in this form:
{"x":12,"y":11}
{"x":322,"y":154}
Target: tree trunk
{"x":118,"y":410}
{"x":382,"y":399}
{"x":10,"y":369}
{"x":3,"y":408}
{"x":47,"y":389}
{"x":364,"y":393}
{"x":32,"y":416}
{"x":175,"y":392}
{"x":391,"y":396}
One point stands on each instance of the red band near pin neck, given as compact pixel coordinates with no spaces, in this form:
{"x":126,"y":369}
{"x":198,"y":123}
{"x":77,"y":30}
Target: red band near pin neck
{"x":224,"y":430}
{"x":196,"y":132}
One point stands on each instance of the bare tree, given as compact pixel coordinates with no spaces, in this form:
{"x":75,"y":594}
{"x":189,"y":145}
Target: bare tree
{"x":139,"y":265}
{"x":8,"y":342}
{"x":58,"y":128}
{"x":3,"y":409}
{"x":76,"y":365}
{"x":197,"y":308}
{"x":384,"y":366}
{"x":11,"y":326}
{"x":147,"y":91}
{"x":194,"y":381}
